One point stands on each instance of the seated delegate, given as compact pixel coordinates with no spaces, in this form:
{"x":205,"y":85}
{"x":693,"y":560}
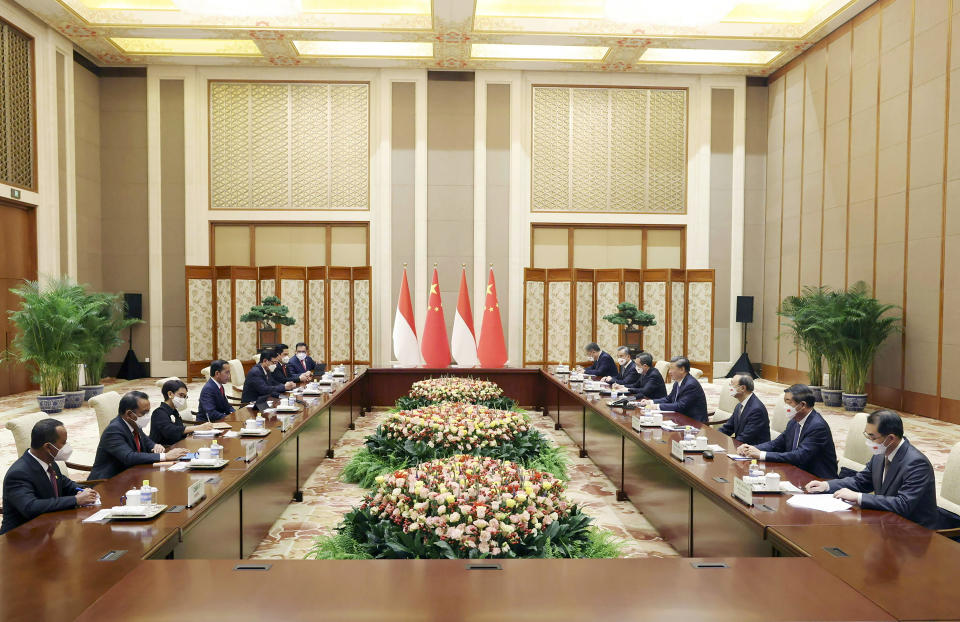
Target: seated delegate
{"x":628,"y":371}
{"x":749,"y":422}
{"x":213,"y":397}
{"x":301,"y":362}
{"x":34,"y":484}
{"x":603,"y":364}
{"x":259,"y":382}
{"x":166,"y":425}
{"x":686,"y":397}
{"x":649,"y":383}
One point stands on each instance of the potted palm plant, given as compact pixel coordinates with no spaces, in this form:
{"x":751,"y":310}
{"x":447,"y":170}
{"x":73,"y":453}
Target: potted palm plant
{"x":800,"y":313}
{"x":270,"y":314}
{"x":102,"y":333}
{"x":862,"y":329}
{"x":49,"y":325}
{"x":633,"y":321}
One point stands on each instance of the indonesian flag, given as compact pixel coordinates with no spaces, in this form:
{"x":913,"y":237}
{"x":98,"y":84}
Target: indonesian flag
{"x":492,"y":350}
{"x":404,"y":330}
{"x":464,"y":342}
{"x":435,"y":347}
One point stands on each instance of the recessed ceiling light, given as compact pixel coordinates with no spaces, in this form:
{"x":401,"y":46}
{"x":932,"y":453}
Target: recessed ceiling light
{"x":188,"y":47}
{"x":377,"y":7}
{"x":509,"y":51}
{"x":775,"y":11}
{"x":131,"y":5}
{"x":669,"y":13}
{"x":388,"y":49}
{"x":581,"y":9}
{"x":708,"y":57}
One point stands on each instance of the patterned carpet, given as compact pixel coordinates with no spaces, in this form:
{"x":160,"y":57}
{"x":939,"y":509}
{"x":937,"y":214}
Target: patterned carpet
{"x":326,"y":499}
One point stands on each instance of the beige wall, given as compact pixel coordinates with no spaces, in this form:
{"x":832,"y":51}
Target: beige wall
{"x":754,"y":184}
{"x":86,"y":110}
{"x":498,"y":198}
{"x":172,"y":219}
{"x":402,"y":167}
{"x":861,"y":187}
{"x":721,"y":213}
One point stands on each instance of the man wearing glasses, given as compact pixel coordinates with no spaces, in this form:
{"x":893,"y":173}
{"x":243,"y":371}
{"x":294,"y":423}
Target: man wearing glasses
{"x":898,"y":475}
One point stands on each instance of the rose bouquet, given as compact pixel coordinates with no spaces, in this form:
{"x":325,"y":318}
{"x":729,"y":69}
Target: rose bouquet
{"x":466,"y":507}
{"x":410,"y":437}
{"x":455,"y":389}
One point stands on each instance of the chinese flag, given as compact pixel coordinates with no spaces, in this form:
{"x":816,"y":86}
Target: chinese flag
{"x":491,"y":348}
{"x":434,"y":346}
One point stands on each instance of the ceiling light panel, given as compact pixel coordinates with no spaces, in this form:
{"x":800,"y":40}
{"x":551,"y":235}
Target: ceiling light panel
{"x":187,"y":47}
{"x":507,"y":51}
{"x":708,"y":57}
{"x":348,"y":49}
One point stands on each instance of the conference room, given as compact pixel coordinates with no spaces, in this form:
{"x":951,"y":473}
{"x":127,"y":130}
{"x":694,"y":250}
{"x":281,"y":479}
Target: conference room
{"x":455,"y":309}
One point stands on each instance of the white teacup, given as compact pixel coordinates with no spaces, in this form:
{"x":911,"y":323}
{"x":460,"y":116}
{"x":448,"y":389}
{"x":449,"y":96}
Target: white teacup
{"x":250,"y":424}
{"x":204,"y":453}
{"x":133,"y":497}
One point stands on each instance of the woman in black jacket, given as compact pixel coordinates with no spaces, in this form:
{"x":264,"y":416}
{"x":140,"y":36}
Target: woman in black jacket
{"x":166,"y":426}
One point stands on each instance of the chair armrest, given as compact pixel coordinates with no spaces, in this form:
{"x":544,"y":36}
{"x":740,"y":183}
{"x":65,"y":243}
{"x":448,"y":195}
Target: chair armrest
{"x":234,"y":400}
{"x":79,"y":467}
{"x":91,"y":482}
{"x":950,"y":533}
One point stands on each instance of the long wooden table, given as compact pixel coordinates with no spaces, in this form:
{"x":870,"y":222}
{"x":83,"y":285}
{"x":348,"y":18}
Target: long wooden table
{"x":52,"y":565}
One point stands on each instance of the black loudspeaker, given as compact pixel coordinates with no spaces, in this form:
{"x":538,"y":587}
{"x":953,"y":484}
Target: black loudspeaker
{"x":134,"y":304}
{"x":745,"y":309}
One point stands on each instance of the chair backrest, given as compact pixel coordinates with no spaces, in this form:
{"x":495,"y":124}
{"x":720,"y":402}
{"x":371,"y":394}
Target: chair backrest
{"x":256,"y":358}
{"x":727,"y":401}
{"x":105,"y":405}
{"x":664,"y":368}
{"x":855,"y":449}
{"x":237,"y":375}
{"x":206,"y":374}
{"x":21,"y":427}
{"x":163,"y":381}
{"x":696,"y":373}
{"x":949,"y":497}
{"x":778,"y":422}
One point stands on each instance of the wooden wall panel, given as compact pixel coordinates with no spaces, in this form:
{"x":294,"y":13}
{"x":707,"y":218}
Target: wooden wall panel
{"x":771,"y":252}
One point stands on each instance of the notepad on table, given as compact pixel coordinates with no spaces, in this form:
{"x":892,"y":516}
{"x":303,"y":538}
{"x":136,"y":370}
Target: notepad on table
{"x":823,"y":502}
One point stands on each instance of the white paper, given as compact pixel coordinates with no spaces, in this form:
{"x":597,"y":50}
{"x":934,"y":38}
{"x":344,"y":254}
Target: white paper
{"x":180,"y":466}
{"x":716,"y":448}
{"x":98,"y":516}
{"x":737,"y":457}
{"x":788,"y":487}
{"x":822,"y":502}
{"x":231,"y":434}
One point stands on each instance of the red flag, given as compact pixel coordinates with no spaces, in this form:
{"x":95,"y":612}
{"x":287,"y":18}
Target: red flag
{"x":464,"y":342}
{"x":491,"y":348}
{"x":404,"y":331}
{"x":434,"y":346}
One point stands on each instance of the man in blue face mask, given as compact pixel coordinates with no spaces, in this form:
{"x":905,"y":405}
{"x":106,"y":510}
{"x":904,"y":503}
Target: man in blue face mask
{"x":898,"y":475}
{"x":34,"y":484}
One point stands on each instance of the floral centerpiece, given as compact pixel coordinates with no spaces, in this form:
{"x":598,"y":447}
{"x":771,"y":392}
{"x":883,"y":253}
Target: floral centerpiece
{"x":410,"y":437}
{"x":466,"y":507}
{"x":455,"y":389}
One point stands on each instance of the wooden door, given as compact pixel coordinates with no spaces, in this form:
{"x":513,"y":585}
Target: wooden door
{"x":18,"y":262}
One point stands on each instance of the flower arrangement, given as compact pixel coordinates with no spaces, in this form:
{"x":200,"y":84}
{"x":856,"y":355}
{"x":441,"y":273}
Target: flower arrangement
{"x":455,"y":389}
{"x":466,"y":507}
{"x":410,"y":437}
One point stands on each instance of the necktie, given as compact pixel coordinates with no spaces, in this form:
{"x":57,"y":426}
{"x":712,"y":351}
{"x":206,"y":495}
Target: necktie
{"x":221,"y":391}
{"x":53,"y":480}
{"x":736,"y":416}
{"x":136,"y":440}
{"x":796,"y":437}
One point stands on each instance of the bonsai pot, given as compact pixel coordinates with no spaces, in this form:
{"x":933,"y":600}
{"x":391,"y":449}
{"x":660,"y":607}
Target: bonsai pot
{"x":631,"y":339}
{"x":832,"y":397}
{"x":73,"y":399}
{"x":51,"y":403}
{"x":91,"y":390}
{"x":817,"y":394}
{"x":268,"y":336}
{"x":855,"y":402}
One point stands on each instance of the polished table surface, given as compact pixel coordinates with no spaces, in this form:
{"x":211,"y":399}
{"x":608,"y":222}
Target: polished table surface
{"x":748,"y":589}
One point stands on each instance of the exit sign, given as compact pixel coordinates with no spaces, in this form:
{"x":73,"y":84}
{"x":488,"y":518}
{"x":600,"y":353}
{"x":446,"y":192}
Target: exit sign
{"x":14,"y":193}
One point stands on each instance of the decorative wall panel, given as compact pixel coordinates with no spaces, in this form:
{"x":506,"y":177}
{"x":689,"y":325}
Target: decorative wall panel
{"x":316,"y":308}
{"x":584,"y":317}
{"x":224,"y":319}
{"x":268,"y":287}
{"x":17,"y":147}
{"x":655,"y":302}
{"x":608,"y":297}
{"x":293,"y":296}
{"x":289,"y":146}
{"x":246,"y":337}
{"x":598,"y":149}
{"x":677,"y":317}
{"x":699,"y":320}
{"x":558,"y":327}
{"x":361,"y":319}
{"x":200,"y":325}
{"x":340,"y":307}
{"x":533,"y":322}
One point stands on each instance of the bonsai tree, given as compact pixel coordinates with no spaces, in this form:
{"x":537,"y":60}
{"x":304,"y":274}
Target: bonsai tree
{"x":270,"y":313}
{"x":49,"y":325}
{"x":630,"y":317}
{"x":102,"y":333}
{"x":800,"y":313}
{"x":861,"y":329}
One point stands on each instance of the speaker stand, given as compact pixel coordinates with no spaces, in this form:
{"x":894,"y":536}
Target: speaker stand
{"x":131,"y":369}
{"x":743,"y":364}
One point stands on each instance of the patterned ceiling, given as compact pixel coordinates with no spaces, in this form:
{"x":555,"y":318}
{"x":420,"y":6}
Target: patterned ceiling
{"x":753,"y":37}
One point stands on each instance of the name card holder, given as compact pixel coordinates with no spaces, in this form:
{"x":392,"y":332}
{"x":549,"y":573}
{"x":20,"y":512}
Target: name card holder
{"x":286,"y":423}
{"x":252,"y":451}
{"x":195,"y":493}
{"x":742,"y":491}
{"x":676,"y":450}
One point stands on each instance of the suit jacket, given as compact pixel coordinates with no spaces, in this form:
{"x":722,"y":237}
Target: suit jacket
{"x":117,"y":451}
{"x":604,"y":366}
{"x":909,"y":489}
{"x":166,"y":425}
{"x":628,"y":374}
{"x":258,"y":384}
{"x":213,"y":404}
{"x":751,"y":424}
{"x":283,"y":374}
{"x":649,"y":385}
{"x":814,"y":452}
{"x":27,"y":492}
{"x":297,"y":367}
{"x":687,"y":398}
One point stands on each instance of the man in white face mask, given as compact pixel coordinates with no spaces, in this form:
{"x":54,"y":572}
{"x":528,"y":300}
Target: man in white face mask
{"x":34,"y":484}
{"x":628,"y":370}
{"x":259,"y":382}
{"x":899,"y":476}
{"x":124,"y":444}
{"x":749,"y":422}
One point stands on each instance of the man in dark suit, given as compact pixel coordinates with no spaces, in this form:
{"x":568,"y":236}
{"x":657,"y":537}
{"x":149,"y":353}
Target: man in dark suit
{"x":749,"y":422}
{"x":649,"y":383}
{"x":213,"y":398}
{"x":124,"y":445}
{"x":603,"y":364}
{"x":282,"y":372}
{"x":899,"y":476}
{"x":686,"y":397}
{"x":806,"y":443}
{"x":628,"y":371}
{"x":259,"y":382}
{"x":34,"y":484}
{"x":301,"y":362}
